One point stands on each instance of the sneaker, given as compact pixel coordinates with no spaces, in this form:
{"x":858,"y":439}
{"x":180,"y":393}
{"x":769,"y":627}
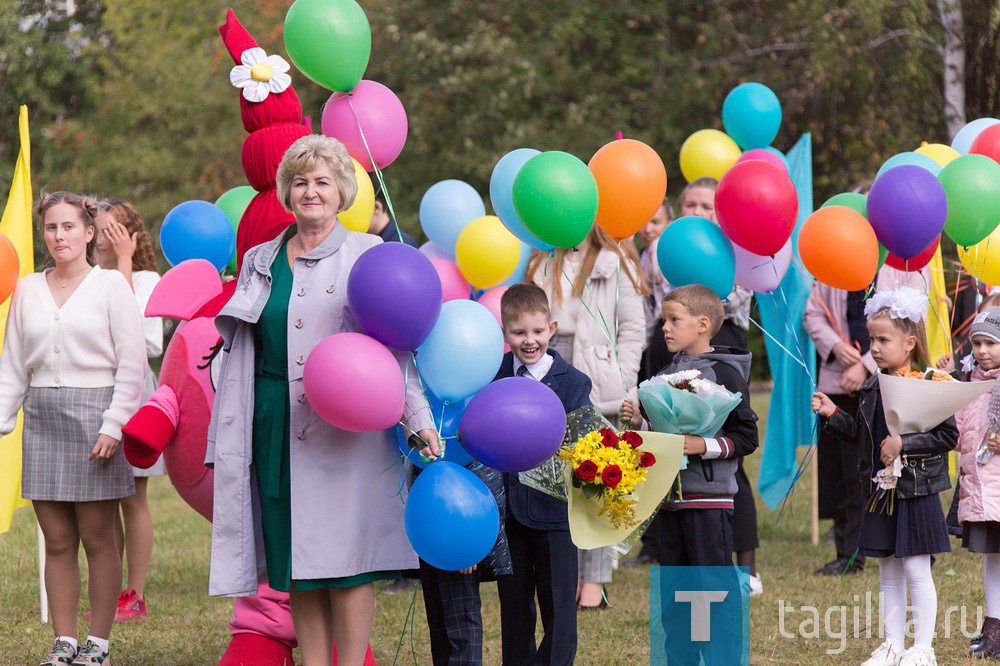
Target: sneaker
{"x":62,"y":653}
{"x":918,"y":656}
{"x":91,"y":655}
{"x":130,"y":607}
{"x":750,"y":586}
{"x":884,"y":655}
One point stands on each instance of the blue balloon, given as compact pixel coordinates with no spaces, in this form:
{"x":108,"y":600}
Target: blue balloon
{"x":751,"y":115}
{"x":446,"y":419}
{"x":451,"y":517}
{"x":694,"y":250}
{"x":965,"y":136}
{"x":463,"y":352}
{"x":446,"y":208}
{"x":522,"y":267}
{"x":502,"y":197}
{"x":914,"y":159}
{"x":197,"y":230}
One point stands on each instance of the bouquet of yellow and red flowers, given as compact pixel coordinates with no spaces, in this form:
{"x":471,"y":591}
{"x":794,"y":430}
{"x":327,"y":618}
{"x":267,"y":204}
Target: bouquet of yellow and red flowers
{"x":609,"y":468}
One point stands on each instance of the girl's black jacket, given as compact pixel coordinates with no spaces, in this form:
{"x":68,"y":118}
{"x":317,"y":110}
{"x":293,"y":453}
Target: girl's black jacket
{"x":924,"y":456}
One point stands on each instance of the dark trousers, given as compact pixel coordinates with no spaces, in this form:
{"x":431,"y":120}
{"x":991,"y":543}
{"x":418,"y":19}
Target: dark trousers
{"x":545,"y":562}
{"x":838,"y":467}
{"x":454,"y":616}
{"x":696,"y":538}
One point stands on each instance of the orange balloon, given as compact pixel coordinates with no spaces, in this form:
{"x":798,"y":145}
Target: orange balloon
{"x":9,"y":268}
{"x":631,"y":184}
{"x":838,"y":246}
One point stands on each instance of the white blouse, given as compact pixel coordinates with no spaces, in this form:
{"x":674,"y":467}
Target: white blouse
{"x":94,"y":340}
{"x":143,"y":283}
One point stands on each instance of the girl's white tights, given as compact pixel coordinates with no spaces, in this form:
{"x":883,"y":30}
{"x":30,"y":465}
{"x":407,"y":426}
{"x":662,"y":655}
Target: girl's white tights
{"x":991,"y":577}
{"x":895,"y":576}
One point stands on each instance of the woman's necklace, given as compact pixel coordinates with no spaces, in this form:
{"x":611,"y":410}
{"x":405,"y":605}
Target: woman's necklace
{"x":64,"y":285}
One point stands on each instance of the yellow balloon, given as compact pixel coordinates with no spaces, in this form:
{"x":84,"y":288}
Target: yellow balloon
{"x":983,"y":259}
{"x":486,"y":252}
{"x":359,"y":216}
{"x":938,"y":152}
{"x":708,"y":152}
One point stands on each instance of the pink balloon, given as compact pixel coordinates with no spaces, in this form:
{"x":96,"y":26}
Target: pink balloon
{"x":432,"y":251}
{"x":491,"y":299}
{"x":453,"y":285}
{"x":759,"y":273}
{"x":355,"y":383}
{"x":375,"y":109}
{"x":765,"y":155}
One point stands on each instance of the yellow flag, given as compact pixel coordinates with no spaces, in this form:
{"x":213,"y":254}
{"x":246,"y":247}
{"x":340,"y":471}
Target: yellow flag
{"x":938,"y":320}
{"x":16,"y":225}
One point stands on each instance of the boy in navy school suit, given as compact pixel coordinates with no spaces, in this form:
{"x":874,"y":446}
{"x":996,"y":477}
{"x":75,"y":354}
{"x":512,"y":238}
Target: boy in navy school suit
{"x":537,"y":525}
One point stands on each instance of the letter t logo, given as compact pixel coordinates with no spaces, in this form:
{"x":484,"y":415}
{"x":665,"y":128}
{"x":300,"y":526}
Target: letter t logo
{"x":701,"y":604}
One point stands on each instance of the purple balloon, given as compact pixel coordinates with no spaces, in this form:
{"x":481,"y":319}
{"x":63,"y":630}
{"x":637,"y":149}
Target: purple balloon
{"x":907,"y":207}
{"x":759,"y":273}
{"x":395,"y":295}
{"x":513,"y":424}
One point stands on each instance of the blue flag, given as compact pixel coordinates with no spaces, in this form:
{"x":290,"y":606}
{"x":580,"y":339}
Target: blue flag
{"x":791,"y":354}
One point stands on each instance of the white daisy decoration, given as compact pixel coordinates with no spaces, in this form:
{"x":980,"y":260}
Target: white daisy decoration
{"x":260,"y":74}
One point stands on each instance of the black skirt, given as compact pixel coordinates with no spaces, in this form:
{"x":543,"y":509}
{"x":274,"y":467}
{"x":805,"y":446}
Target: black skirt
{"x":915,"y":527}
{"x":981,"y":537}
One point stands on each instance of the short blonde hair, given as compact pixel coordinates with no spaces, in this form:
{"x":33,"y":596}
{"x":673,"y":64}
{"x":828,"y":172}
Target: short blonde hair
{"x":700,"y":301}
{"x":313,"y":151}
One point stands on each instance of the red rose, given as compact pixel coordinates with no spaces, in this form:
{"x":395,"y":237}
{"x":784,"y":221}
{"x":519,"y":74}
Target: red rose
{"x":610,"y":438}
{"x":632,"y":438}
{"x":587,"y":471}
{"x":611,"y":476}
{"x":647,"y":460}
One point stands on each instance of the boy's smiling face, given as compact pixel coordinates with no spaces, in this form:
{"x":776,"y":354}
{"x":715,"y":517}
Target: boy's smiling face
{"x":528,"y":335}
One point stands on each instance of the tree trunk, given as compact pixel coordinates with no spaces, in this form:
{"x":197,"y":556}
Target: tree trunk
{"x":953,"y":55}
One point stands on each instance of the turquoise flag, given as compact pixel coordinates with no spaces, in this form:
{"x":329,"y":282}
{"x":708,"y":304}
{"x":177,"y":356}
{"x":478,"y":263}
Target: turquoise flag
{"x":791,"y":354}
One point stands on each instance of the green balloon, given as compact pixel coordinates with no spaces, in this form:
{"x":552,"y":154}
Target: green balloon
{"x":555,"y":195}
{"x":972,"y":185}
{"x":233,"y":203}
{"x":883,"y":254}
{"x":329,"y":41}
{"x":852,"y":200}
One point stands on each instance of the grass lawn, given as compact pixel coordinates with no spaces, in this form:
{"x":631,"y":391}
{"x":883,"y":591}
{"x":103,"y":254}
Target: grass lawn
{"x":186,"y":626}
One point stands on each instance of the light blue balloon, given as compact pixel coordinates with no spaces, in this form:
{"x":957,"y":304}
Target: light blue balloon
{"x":451,"y":517}
{"x":446,"y":208}
{"x":965,"y":136}
{"x":522,"y":267}
{"x":915,"y":159}
{"x":751,"y":115}
{"x":446,"y":419}
{"x":693,"y":250}
{"x":463,"y":352}
{"x":501,"y":195}
{"x":197,"y":230}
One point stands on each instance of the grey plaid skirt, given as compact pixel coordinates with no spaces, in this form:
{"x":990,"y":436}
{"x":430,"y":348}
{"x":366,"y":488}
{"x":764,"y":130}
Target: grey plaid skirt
{"x":61,"y":426}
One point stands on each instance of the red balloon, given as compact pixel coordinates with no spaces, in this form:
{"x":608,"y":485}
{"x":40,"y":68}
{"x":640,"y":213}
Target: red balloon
{"x":987,"y":143}
{"x":757,"y":206}
{"x":916,"y":263}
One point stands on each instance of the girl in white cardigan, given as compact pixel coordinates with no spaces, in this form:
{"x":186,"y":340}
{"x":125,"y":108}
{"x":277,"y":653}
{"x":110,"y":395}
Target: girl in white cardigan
{"x":73,"y":358}
{"x":596,"y":295}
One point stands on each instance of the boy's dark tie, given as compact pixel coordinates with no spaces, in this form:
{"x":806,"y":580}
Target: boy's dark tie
{"x":522,"y":371}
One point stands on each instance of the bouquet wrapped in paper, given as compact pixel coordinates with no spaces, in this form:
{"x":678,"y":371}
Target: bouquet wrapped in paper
{"x":915,"y":401}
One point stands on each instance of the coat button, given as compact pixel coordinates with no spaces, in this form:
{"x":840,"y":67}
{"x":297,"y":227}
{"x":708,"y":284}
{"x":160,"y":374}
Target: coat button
{"x":302,"y":398}
{"x":330,"y":289}
{"x":298,"y":323}
{"x":301,"y":435}
{"x":300,"y":359}
{"x":310,"y":262}
{"x":56,"y":349}
{"x":58,"y":379}
{"x":302,"y":292}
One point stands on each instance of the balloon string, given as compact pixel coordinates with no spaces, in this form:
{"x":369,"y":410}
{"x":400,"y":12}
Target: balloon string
{"x":942,"y":323}
{"x":775,"y":341}
{"x":406,"y":621}
{"x":786,"y":317}
{"x":378,"y":172}
{"x":803,"y":466}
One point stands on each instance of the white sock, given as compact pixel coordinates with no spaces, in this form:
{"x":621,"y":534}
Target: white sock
{"x":99,"y":642}
{"x":71,"y":640}
{"x":892,"y":588}
{"x":991,"y":577}
{"x":923,"y":598}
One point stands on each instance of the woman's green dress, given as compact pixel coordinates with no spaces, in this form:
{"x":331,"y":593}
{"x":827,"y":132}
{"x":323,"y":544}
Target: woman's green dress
{"x":271,"y":442}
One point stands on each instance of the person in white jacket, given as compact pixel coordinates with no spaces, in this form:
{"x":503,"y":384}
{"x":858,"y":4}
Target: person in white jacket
{"x":596,"y":295}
